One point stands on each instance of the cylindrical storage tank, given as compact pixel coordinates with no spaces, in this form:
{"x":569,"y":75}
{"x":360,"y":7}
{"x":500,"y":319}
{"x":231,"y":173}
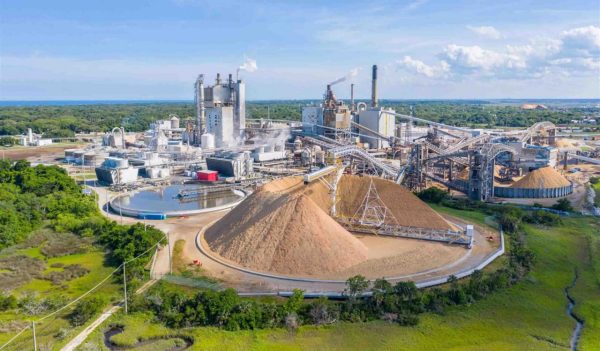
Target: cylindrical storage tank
{"x":152,"y":173}
{"x":208,"y":141}
{"x":89,"y":159}
{"x":174,"y":122}
{"x":78,"y":156}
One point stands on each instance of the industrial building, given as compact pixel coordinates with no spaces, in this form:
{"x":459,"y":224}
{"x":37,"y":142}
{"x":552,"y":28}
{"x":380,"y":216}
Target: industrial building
{"x":231,"y":164}
{"x":32,"y":139}
{"x":220,"y":110}
{"x":116,"y":171}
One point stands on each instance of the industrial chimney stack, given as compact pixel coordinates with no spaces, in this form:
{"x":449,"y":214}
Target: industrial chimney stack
{"x":374,"y":87}
{"x":352,"y":97}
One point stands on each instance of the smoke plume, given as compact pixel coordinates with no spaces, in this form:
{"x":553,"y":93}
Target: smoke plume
{"x":353,"y":73}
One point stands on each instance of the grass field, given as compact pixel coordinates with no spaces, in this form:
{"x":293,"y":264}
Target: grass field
{"x":596,"y":188}
{"x":55,"y":331}
{"x":528,"y":316}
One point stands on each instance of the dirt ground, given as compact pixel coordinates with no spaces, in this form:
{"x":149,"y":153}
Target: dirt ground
{"x":42,"y":154}
{"x":394,"y":258}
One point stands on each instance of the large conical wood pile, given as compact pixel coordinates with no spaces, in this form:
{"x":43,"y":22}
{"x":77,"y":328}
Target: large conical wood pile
{"x":545,"y":177}
{"x":285,"y":226}
{"x":280,"y":229}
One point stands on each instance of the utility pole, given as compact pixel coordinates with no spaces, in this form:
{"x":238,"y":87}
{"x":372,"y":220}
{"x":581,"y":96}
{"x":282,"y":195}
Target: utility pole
{"x":125,"y":287}
{"x":169,"y":248}
{"x":34,"y":338}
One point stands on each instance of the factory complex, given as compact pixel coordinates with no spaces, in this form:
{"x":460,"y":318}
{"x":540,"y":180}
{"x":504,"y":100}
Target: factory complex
{"x":327,"y":197}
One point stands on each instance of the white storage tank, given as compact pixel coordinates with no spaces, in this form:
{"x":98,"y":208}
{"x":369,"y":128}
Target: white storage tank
{"x":153,"y":173}
{"x":207,"y":141}
{"x":174,"y":122}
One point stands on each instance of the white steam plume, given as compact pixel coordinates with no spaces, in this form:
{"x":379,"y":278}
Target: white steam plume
{"x":353,"y":73}
{"x":249,"y":65}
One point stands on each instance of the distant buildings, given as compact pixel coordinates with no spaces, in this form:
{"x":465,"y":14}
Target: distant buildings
{"x":31,"y":139}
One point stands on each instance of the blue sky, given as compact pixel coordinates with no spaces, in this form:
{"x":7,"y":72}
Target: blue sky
{"x":425,"y":48}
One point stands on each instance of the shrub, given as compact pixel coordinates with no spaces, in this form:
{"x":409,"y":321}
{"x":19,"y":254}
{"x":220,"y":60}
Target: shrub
{"x":86,"y":310}
{"x":433,"y":195}
{"x":563,"y":205}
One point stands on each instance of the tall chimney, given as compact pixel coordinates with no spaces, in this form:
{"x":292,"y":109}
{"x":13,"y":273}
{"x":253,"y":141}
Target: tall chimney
{"x":218,"y":78}
{"x":374,"y":87}
{"x":352,"y":97}
{"x":200,"y":111}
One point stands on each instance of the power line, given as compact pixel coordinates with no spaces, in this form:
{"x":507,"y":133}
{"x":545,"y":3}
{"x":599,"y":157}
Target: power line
{"x":80,"y":297}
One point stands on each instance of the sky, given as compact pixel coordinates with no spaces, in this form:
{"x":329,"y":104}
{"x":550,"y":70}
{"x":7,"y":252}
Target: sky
{"x":425,"y":49}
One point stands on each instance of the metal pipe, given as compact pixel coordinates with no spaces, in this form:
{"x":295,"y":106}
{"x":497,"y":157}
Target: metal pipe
{"x":374,"y":87}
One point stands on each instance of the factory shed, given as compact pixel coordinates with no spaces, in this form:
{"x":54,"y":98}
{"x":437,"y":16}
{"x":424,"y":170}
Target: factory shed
{"x":207,"y":176}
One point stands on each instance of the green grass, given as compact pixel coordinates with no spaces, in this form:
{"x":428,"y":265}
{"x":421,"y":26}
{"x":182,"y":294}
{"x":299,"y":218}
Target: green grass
{"x":528,"y":316}
{"x":596,"y":188}
{"x":56,"y":332}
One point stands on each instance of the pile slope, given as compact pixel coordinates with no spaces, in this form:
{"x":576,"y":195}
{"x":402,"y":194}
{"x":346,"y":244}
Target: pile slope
{"x":545,"y":177}
{"x":281,"y":229}
{"x":407,"y":208}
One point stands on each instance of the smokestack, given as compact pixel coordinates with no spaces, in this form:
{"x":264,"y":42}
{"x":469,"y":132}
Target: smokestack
{"x":218,"y":78}
{"x":352,"y":96}
{"x":230,"y":79}
{"x":374,"y":87}
{"x":200,"y":111}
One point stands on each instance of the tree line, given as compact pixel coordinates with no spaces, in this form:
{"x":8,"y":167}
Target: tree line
{"x":65,"y":121}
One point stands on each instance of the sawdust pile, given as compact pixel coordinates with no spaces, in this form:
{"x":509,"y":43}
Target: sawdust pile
{"x":281,"y":229}
{"x":407,"y":208}
{"x":545,"y":177}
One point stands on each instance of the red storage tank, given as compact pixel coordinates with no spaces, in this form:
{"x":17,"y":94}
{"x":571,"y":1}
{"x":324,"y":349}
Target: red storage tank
{"x":208,"y":176}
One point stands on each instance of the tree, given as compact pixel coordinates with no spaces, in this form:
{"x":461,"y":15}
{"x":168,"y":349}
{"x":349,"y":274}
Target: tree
{"x":85,"y":310}
{"x":563,"y":205}
{"x":356,"y":285}
{"x":294,"y":302}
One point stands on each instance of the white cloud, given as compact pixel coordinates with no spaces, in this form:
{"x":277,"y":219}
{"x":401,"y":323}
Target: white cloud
{"x":420,"y":67}
{"x":486,"y":32}
{"x":475,"y":58}
{"x":574,"y":52}
{"x":583,"y":41}
{"x":415,"y":4}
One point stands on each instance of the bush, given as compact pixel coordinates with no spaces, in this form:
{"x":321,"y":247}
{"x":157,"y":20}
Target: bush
{"x":86,"y":310}
{"x":563,"y":205}
{"x":433,"y":195}
{"x":543,"y":217}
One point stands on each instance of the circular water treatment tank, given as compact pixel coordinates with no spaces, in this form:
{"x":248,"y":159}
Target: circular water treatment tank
{"x":169,"y":202}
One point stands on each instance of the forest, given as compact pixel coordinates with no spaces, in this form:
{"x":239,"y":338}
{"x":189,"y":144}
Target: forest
{"x":65,"y":121}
